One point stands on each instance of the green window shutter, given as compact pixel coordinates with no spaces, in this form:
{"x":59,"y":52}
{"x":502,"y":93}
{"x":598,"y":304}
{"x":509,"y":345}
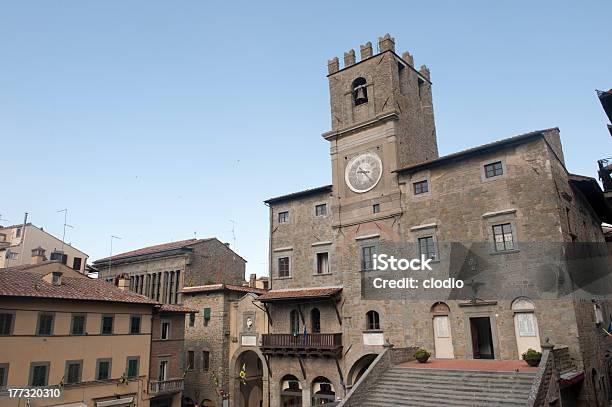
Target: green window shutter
{"x":206,"y":313}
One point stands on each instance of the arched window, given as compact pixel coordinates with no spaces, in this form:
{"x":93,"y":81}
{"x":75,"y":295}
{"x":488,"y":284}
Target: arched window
{"x":295,"y":322}
{"x":322,"y":391}
{"x":372,"y":320}
{"x":360,"y":91}
{"x":291,"y":391}
{"x":315,"y":320}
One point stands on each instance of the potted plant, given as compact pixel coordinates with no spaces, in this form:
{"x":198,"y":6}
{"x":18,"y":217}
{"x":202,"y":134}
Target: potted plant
{"x":422,"y":355}
{"x":532,"y":357}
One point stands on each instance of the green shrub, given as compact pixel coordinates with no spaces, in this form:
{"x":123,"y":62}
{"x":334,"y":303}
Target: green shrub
{"x":531,"y":354}
{"x":422,"y":354}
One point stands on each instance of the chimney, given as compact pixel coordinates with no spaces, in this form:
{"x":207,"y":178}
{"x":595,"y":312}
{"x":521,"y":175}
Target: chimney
{"x":54,"y":277}
{"x":38,"y":255}
{"x":252,"y":280}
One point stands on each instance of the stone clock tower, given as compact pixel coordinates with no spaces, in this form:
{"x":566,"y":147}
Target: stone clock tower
{"x":382,"y":120}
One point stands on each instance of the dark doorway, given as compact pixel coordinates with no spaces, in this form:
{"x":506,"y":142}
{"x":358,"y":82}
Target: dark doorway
{"x":482,"y":339}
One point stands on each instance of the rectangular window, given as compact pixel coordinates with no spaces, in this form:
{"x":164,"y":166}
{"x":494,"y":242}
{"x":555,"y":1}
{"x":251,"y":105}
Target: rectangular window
{"x":103,"y":369}
{"x":107,"y":325}
{"x":3,"y":375}
{"x":132,"y":366}
{"x":6,"y":324}
{"x":323,"y":263}
{"x":321,"y":210}
{"x":283,"y":217}
{"x":18,"y":233}
{"x":367,"y":253}
{"x":421,"y":187}
{"x":77,"y":327}
{"x":192,"y":319}
{"x":206,"y":315}
{"x":163,"y":370}
{"x":165,"y":330}
{"x":502,"y":236}
{"x":375,"y":208}
{"x":45,"y":324}
{"x":494,"y":169}
{"x":39,"y":374}
{"x":73,"y":371}
{"x":205,"y":360}
{"x":76,"y":264}
{"x":190,"y":360}
{"x":283,"y":266}
{"x":427,"y":247}
{"x":135,"y":324}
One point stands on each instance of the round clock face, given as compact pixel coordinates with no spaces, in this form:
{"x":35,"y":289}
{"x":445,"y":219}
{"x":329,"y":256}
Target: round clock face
{"x":363,"y":172}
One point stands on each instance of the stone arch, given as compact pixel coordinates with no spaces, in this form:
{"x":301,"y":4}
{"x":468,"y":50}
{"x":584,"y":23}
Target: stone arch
{"x":359,"y":367}
{"x":526,"y":328}
{"x":291,"y":391}
{"x":441,"y":330}
{"x":322,"y":391}
{"x":257,"y":378}
{"x":440,"y":308}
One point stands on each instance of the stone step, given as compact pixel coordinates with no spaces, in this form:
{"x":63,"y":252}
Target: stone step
{"x":459,"y":380}
{"x":401,"y":391}
{"x":412,"y":387}
{"x":395,"y":398}
{"x":435,"y":387}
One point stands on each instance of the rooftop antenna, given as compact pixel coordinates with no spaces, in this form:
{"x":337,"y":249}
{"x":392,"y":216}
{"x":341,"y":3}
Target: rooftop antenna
{"x":110,"y":257}
{"x":233,"y":233}
{"x":4,"y":220}
{"x":65,"y":210}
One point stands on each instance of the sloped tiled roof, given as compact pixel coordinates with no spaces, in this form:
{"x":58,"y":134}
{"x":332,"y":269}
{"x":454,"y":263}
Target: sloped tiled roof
{"x":299,"y":194}
{"x":522,"y":138}
{"x":221,"y":287}
{"x":299,"y":293}
{"x":175,"y":308}
{"x":153,"y":249}
{"x":21,"y":283}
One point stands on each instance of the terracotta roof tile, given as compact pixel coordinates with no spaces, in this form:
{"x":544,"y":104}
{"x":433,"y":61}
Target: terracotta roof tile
{"x":175,"y":308}
{"x":26,"y":284}
{"x":221,"y":287}
{"x":154,"y":249}
{"x":289,"y":294}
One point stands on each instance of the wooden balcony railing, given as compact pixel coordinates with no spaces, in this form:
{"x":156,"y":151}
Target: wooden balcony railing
{"x":165,"y":386}
{"x":308,"y":344}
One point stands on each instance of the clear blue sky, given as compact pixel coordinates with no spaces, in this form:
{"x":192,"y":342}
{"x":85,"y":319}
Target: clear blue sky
{"x":152,"y":120}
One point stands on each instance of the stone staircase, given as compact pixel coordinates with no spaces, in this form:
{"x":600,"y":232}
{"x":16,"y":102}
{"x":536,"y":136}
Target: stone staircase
{"x":402,"y":386}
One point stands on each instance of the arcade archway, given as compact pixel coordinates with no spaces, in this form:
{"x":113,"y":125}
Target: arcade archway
{"x":248,"y":377}
{"x":359,"y":368}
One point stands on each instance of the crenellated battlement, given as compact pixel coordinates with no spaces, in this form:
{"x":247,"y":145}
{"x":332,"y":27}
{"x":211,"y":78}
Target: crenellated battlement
{"x":385,"y":43}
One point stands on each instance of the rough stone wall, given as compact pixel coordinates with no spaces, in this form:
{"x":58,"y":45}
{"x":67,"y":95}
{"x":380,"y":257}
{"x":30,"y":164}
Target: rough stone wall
{"x":212,"y":262}
{"x":172,"y":350}
{"x":393,"y":86}
{"x":296,"y":239}
{"x":199,"y":383}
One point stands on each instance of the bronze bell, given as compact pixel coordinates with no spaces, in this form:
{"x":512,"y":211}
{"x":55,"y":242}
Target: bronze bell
{"x":360,"y":95}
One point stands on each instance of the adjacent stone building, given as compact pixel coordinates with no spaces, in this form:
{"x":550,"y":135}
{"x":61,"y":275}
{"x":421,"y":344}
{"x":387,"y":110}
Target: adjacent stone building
{"x":161,"y":271}
{"x":221,"y":341}
{"x":495,"y":204}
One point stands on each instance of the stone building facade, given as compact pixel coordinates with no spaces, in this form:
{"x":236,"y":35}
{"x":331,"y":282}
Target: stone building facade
{"x":161,"y":271}
{"x":390,"y":188}
{"x":219,"y":340}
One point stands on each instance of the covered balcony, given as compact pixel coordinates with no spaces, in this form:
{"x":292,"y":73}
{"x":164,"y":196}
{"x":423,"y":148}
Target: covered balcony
{"x":315,"y":344}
